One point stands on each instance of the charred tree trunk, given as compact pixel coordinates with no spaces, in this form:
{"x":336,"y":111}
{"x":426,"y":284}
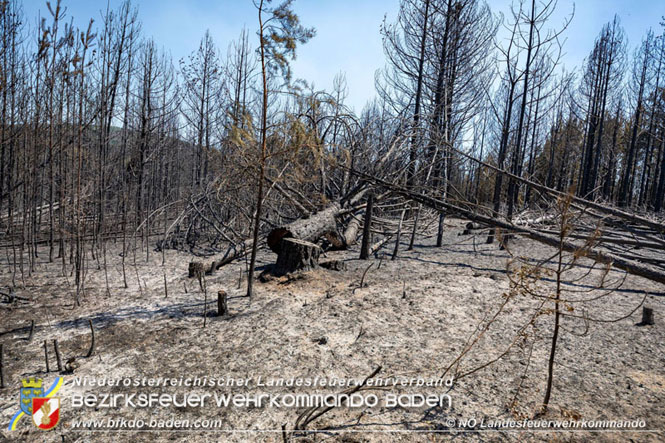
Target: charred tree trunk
{"x":364,"y":248}
{"x":296,"y":255}
{"x":222,"y":307}
{"x":647,"y":316}
{"x":416,"y":113}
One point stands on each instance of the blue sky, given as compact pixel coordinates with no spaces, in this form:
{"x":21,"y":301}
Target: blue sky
{"x":348,"y":37}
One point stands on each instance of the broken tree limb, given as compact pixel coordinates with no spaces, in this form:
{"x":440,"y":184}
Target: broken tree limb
{"x":322,"y":222}
{"x":376,"y":246}
{"x":335,"y":241}
{"x":616,"y":241}
{"x":620,"y":224}
{"x":232,"y":253}
{"x":290,"y":198}
{"x":439,"y":205}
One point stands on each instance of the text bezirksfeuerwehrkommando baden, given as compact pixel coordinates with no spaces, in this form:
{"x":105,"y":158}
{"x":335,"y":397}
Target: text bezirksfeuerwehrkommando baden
{"x":259,"y":381}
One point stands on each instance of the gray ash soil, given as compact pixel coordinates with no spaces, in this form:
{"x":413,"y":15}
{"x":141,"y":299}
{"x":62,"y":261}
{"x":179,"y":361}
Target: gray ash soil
{"x":413,"y":318}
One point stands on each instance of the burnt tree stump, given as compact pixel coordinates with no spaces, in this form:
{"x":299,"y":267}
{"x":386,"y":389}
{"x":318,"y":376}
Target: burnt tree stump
{"x":195,"y":269}
{"x":222,"y":308}
{"x":296,"y":255}
{"x":647,"y":316}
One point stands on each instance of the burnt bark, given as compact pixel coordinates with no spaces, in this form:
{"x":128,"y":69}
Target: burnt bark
{"x":647,"y":316}
{"x":367,"y":234}
{"x":222,"y":307}
{"x":296,"y":255}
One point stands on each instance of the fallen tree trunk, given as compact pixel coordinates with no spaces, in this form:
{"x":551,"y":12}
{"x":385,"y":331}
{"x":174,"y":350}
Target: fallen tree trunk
{"x":352,"y":228}
{"x":659,"y":227}
{"x":439,"y":205}
{"x":341,"y":241}
{"x":620,"y":224}
{"x":308,"y":229}
{"x":614,"y":240}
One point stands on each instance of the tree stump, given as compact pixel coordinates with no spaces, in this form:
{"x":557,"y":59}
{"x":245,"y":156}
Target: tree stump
{"x":296,"y":255}
{"x":647,"y":316}
{"x":195,"y":269}
{"x":222,"y":308}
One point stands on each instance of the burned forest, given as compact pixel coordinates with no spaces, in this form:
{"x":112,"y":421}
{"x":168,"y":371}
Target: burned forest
{"x":205,"y":245}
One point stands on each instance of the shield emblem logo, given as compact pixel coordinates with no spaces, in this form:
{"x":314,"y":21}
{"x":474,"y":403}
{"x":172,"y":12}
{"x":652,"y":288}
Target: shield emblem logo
{"x":46,"y":412}
{"x":27,"y":394}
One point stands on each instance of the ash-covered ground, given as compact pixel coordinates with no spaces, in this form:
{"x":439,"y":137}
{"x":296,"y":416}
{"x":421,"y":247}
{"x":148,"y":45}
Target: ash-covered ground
{"x":413,"y":318}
